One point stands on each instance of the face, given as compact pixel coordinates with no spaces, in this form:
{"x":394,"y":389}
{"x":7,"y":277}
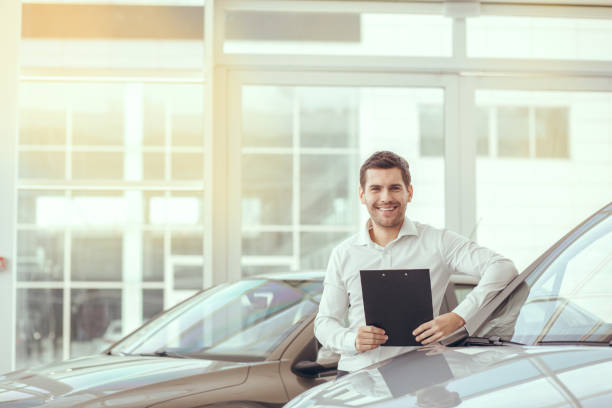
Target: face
{"x":385,"y":195}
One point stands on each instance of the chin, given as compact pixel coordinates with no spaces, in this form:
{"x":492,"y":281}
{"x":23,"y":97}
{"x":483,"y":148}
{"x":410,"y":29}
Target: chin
{"x":388,"y":223}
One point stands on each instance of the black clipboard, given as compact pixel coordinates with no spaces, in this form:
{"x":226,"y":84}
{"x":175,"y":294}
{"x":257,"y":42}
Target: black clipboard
{"x":397,"y":301}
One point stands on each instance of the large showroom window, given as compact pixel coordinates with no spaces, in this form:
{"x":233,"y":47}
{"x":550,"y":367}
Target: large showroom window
{"x":553,"y":38}
{"x":546,"y":167}
{"x":110,"y":222}
{"x":108,"y":212}
{"x":302,"y":147}
{"x":337,"y":33}
{"x":153,"y":161}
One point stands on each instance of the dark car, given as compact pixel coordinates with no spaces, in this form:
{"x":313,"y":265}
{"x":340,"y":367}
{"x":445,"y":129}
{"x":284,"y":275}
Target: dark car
{"x":244,"y":344}
{"x":544,"y":341}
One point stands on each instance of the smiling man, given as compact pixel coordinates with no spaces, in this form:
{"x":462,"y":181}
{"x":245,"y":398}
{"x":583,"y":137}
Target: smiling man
{"x":390,"y":240}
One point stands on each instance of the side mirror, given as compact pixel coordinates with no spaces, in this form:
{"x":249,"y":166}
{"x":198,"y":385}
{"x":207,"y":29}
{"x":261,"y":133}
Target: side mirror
{"x":313,"y":369}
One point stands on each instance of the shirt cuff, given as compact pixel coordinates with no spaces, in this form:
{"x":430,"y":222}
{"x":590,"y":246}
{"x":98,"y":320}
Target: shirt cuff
{"x":349,"y":343}
{"x":464,"y":310}
{"x":462,"y":319}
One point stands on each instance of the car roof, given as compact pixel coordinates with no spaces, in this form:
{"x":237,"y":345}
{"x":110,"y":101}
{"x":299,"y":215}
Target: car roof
{"x":297,"y":275}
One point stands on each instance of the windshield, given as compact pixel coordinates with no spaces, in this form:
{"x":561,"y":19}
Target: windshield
{"x":567,"y":299}
{"x":242,"y":321}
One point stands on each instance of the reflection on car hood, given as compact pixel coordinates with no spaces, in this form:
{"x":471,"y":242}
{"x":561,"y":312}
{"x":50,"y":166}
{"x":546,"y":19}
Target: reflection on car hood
{"x":118,"y":381}
{"x":475,"y":377}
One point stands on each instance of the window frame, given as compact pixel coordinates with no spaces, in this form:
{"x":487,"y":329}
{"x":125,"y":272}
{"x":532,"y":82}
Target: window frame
{"x":458,"y":62}
{"x":237,"y":79}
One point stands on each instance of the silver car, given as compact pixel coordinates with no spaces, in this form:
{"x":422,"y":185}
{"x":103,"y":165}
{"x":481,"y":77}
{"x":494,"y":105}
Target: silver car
{"x":544,"y":341}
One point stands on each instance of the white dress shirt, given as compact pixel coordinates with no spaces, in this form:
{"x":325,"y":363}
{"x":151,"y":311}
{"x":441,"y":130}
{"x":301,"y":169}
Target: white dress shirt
{"x":417,"y":246}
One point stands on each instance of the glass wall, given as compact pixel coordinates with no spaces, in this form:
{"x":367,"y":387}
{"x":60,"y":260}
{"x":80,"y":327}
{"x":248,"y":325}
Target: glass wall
{"x":544,"y":164}
{"x":301,"y":152}
{"x":337,"y":33}
{"x":539,"y":37}
{"x":120,"y":35}
{"x":111,"y":169}
{"x":104,"y":238}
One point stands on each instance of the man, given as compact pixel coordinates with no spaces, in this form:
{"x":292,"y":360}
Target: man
{"x":390,"y":240}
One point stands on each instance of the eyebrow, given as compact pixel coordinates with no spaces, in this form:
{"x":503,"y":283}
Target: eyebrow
{"x":378,"y":185}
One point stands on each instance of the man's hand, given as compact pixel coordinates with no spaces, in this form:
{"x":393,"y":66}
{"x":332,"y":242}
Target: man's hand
{"x":369,"y":337}
{"x":437,"y":328}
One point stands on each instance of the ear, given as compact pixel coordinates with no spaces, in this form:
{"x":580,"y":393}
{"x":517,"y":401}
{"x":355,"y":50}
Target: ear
{"x":410,"y":191}
{"x":361,"y":195}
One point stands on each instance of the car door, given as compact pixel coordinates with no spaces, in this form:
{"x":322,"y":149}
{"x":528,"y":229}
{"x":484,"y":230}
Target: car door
{"x":304,"y":348}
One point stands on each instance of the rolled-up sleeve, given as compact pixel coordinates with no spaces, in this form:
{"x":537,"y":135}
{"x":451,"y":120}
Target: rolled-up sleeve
{"x":330,"y":327}
{"x":466,"y":257}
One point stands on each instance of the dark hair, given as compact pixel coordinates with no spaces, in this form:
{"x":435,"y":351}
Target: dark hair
{"x":385,"y":160}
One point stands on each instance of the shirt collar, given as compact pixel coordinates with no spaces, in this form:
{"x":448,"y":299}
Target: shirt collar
{"x":408,"y":228}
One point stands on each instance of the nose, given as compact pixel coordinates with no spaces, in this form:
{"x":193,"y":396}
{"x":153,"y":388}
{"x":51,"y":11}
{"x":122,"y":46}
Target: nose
{"x":384,"y":195}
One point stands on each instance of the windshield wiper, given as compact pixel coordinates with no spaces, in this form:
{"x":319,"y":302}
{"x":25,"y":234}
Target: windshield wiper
{"x":574,"y":343}
{"x":163,"y":353}
{"x":488,"y":341}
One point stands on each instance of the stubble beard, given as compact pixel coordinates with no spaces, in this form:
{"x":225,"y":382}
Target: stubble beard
{"x":380,"y":221}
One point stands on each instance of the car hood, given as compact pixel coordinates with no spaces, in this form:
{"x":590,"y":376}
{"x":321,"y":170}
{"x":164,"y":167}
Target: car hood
{"x":118,"y":381}
{"x":475,"y":376}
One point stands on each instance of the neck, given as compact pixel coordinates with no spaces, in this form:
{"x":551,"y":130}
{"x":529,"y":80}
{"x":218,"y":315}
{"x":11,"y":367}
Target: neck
{"x":383,"y":235}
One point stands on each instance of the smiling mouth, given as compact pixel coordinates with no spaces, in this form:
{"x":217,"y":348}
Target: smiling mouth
{"x":387,"y":208}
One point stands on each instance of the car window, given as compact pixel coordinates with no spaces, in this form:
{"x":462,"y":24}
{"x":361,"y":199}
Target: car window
{"x":246,"y":319}
{"x":568,"y":300}
{"x":462,"y":290}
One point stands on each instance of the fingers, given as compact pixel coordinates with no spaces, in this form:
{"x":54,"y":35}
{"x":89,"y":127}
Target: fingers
{"x":371,"y":329}
{"x":372,"y":341}
{"x":366,"y":347}
{"x":433,"y":338}
{"x":429,"y":332}
{"x":369,"y":337}
{"x":360,"y":347}
{"x":372,"y":336}
{"x":437,"y":328}
{"x":426,"y":334}
{"x":422,"y":328}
